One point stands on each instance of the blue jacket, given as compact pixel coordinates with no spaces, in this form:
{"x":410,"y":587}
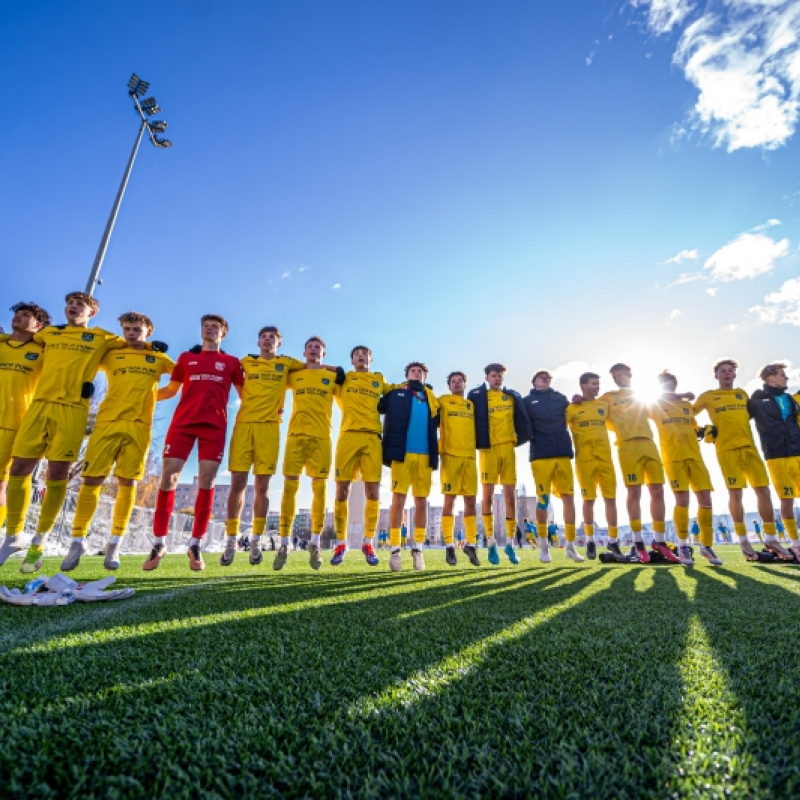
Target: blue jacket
{"x":780,"y":438}
{"x":550,"y":436}
{"x":480,"y":400}
{"x":396,"y":408}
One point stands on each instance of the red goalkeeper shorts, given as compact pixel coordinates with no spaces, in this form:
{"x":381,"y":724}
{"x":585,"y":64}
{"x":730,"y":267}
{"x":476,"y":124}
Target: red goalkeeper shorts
{"x":210,"y":442}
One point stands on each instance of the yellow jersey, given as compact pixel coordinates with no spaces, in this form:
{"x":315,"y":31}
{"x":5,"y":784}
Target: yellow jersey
{"x":265,"y":382}
{"x":588,"y":425}
{"x":358,"y":399}
{"x":676,"y":429}
{"x":312,"y":407}
{"x":727,"y":410}
{"x":20,"y":365}
{"x":501,"y":417}
{"x":627,"y":416}
{"x":72,"y":357}
{"x":133,"y":377}
{"x":456,"y":426}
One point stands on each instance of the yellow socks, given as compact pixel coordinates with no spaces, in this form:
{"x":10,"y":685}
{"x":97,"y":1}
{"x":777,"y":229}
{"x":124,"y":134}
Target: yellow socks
{"x":448,"y":528}
{"x":318,"y":505}
{"x":740,"y":529}
{"x":511,"y":530}
{"x":569,"y":532}
{"x":85,"y":506}
{"x":588,"y":529}
{"x":394,"y":537}
{"x":419,"y":535}
{"x":659,"y":529}
{"x":613,"y":533}
{"x":372,"y":510}
{"x":791,"y":528}
{"x":770,"y":531}
{"x":2,"y":515}
{"x":288,"y":506}
{"x":232,"y":526}
{"x":259,"y":526}
{"x":18,"y":499}
{"x":680,"y":516}
{"x":705,"y":521}
{"x":471,"y":529}
{"x":123,"y":508}
{"x":636,"y":527}
{"x":488,"y":525}
{"x":340,"y":519}
{"x":55,"y":492}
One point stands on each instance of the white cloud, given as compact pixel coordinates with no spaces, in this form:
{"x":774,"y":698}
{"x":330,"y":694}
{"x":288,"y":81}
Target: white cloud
{"x":782,"y":306}
{"x":673,"y":315}
{"x":302,"y":269}
{"x":712,"y":291}
{"x":743,"y":57}
{"x":731,"y":326}
{"x":664,"y":15}
{"x":746,"y":256}
{"x":336,"y":286}
{"x":686,"y":277}
{"x":683,"y":255}
{"x":287,"y":273}
{"x":770,"y":223}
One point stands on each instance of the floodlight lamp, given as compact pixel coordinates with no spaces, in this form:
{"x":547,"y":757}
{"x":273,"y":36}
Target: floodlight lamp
{"x":150,"y":106}
{"x":157,"y":126}
{"x":137,"y":85}
{"x":162,"y":142}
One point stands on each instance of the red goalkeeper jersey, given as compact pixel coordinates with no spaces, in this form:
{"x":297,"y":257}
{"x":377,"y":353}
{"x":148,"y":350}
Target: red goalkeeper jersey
{"x":206,"y":377}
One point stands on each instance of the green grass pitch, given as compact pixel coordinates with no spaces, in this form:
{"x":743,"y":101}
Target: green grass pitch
{"x":563,"y":681}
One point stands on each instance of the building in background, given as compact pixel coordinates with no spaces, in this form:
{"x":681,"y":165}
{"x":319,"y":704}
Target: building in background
{"x":186,"y":494}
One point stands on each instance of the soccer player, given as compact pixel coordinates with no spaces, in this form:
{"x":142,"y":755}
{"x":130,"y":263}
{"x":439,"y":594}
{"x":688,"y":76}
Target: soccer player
{"x":680,"y":453}
{"x":593,"y":462}
{"x":776,"y":413}
{"x":459,"y":474}
{"x":308,"y":447}
{"x":20,"y":364}
{"x":638,"y":458}
{"x":204,"y":376}
{"x":551,"y":460}
{"x":121,"y":435}
{"x":411,"y":451}
{"x":739,"y":461}
{"x":55,"y":423}
{"x":501,"y":424}
{"x":358,"y":450}
{"x":256,"y":437}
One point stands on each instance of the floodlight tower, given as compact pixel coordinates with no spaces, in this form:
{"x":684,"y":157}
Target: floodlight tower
{"x":146,"y":108}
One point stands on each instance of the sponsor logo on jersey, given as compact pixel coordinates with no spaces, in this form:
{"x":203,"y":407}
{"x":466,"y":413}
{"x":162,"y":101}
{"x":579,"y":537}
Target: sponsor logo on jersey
{"x":87,"y":337}
{"x":31,"y":356}
{"x":219,"y":365}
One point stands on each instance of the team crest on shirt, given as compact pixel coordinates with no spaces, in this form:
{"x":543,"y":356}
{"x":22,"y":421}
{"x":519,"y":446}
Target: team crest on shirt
{"x":87,"y":337}
{"x":279,"y":368}
{"x":505,"y":397}
{"x":150,"y":359}
{"x":326,"y":381}
{"x":375,"y":384}
{"x":601,"y":412}
{"x":685,"y":410}
{"x":739,"y":396}
{"x":219,"y":365}
{"x":31,"y":356}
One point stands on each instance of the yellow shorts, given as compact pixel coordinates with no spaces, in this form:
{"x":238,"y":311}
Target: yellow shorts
{"x":52,"y":430}
{"x":124,"y":444}
{"x":594,"y":473}
{"x":7,"y":437}
{"x":691,"y":473}
{"x":553,"y":476}
{"x":359,"y":452}
{"x":458,"y":475}
{"x":742,"y":467}
{"x":307,"y":453}
{"x":415,"y":472}
{"x":640,"y":462}
{"x":499,"y":465}
{"x":785,"y":474}
{"x":254,"y":444}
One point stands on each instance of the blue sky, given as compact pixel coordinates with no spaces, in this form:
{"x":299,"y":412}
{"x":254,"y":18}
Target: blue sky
{"x":553,"y":185}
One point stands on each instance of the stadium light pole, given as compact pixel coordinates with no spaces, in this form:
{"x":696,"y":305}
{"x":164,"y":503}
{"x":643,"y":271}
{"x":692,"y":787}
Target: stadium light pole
{"x":146,"y":108}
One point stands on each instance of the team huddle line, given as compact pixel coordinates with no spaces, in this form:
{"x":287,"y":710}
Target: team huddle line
{"x":46,"y":382}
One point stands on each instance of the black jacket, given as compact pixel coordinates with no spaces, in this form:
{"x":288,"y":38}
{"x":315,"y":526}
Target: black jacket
{"x":396,"y":407}
{"x":550,"y":437}
{"x":522,"y":426}
{"x":780,"y":438}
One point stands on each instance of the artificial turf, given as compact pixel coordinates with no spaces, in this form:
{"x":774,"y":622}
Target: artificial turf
{"x":551,"y":681}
